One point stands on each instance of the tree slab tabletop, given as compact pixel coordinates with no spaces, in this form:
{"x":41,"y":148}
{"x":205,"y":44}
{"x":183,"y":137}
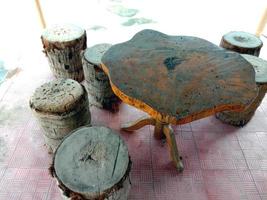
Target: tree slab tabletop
{"x":178,"y":79}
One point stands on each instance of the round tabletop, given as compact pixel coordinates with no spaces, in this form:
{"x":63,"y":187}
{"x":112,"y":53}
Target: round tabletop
{"x":178,"y":79}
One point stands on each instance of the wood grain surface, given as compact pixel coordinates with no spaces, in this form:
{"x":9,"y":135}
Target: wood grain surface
{"x":57,"y":96}
{"x":178,"y":79}
{"x":94,"y":163}
{"x":242,"y":42}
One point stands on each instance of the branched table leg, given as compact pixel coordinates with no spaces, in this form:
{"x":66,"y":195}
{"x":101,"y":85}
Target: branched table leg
{"x":158,"y":131}
{"x":168,"y":132}
{"x":161,"y":130}
{"x":132,"y":126}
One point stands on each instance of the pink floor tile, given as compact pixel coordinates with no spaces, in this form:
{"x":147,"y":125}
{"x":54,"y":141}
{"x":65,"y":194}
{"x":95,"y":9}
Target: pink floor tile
{"x":221,"y":161}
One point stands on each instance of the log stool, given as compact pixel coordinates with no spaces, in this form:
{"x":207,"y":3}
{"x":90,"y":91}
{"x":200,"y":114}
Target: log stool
{"x":92,"y":163}
{"x":241,"y":118}
{"x":242,"y":42}
{"x":63,"y":45}
{"x":60,"y":106}
{"x":97,"y":82}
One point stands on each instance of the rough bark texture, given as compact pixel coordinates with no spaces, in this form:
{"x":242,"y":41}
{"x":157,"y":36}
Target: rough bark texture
{"x":96,"y":81}
{"x":243,"y":117}
{"x":92,"y":163}
{"x":120,"y":194}
{"x":51,"y":144}
{"x":60,"y":107}
{"x":242,"y":42}
{"x":63,"y":46}
{"x":178,"y":79}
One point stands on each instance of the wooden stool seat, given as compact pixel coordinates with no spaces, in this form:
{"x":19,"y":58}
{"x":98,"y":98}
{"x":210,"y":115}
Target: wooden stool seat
{"x":242,"y":42}
{"x":243,"y":117}
{"x":260,"y":67}
{"x":97,"y":82}
{"x":92,"y":163}
{"x":63,"y":45}
{"x":60,"y":106}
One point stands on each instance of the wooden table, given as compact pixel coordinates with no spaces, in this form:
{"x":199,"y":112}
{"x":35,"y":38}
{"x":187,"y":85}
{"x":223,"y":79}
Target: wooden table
{"x":176,"y":80}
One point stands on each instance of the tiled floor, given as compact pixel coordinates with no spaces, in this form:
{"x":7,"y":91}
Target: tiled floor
{"x":221,"y":162}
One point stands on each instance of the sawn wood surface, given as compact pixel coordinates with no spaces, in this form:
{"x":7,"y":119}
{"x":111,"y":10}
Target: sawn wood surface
{"x":178,"y":79}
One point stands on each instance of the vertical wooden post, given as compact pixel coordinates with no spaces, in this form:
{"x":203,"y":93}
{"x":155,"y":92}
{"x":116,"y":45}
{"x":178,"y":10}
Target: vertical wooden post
{"x":40,"y":13}
{"x":262,"y":23}
{"x":174,"y":153}
{"x":158,"y":130}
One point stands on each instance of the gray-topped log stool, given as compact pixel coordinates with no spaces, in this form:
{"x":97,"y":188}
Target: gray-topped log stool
{"x":242,"y":42}
{"x":63,"y":46}
{"x":97,"y":82}
{"x":92,"y":163}
{"x":60,"y":107}
{"x":243,"y":117}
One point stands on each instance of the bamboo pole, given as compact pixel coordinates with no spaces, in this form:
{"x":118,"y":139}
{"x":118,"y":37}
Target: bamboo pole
{"x":40,"y":13}
{"x":262,"y":23}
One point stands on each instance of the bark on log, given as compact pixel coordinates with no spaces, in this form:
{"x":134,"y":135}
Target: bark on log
{"x":60,"y":107}
{"x":92,"y":163}
{"x":243,"y":117}
{"x":51,"y":144}
{"x":96,"y":81}
{"x":242,"y":42}
{"x":63,"y":46}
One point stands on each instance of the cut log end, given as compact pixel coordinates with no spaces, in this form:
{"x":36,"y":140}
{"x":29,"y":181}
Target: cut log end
{"x":260,"y":67}
{"x":57,"y":96}
{"x":242,"y":42}
{"x":63,"y":33}
{"x":94,"y":54}
{"x":98,"y":153}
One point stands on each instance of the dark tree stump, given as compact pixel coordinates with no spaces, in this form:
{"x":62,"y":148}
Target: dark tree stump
{"x":97,"y":82}
{"x":63,"y":46}
{"x":242,"y":42}
{"x":243,"y":117}
{"x":92,"y":163}
{"x":60,"y":107}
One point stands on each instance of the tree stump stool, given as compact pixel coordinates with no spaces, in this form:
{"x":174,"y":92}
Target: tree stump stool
{"x":97,"y":82}
{"x":242,"y":118}
{"x":242,"y":42}
{"x":63,"y":46}
{"x":60,"y":107}
{"x":92,"y":163}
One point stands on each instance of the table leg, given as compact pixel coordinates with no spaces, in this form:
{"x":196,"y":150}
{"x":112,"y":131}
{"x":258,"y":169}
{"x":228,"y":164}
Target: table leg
{"x":158,"y":131}
{"x":168,"y":132}
{"x":143,"y":121}
{"x":161,"y":131}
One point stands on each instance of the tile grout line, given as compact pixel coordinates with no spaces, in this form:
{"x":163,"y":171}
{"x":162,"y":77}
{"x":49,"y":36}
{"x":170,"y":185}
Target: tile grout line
{"x":195,"y":143}
{"x":248,"y":168}
{"x":49,"y":190}
{"x":24,"y":129}
{"x":4,"y":94}
{"x":12,"y":82}
{"x":151,"y":161}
